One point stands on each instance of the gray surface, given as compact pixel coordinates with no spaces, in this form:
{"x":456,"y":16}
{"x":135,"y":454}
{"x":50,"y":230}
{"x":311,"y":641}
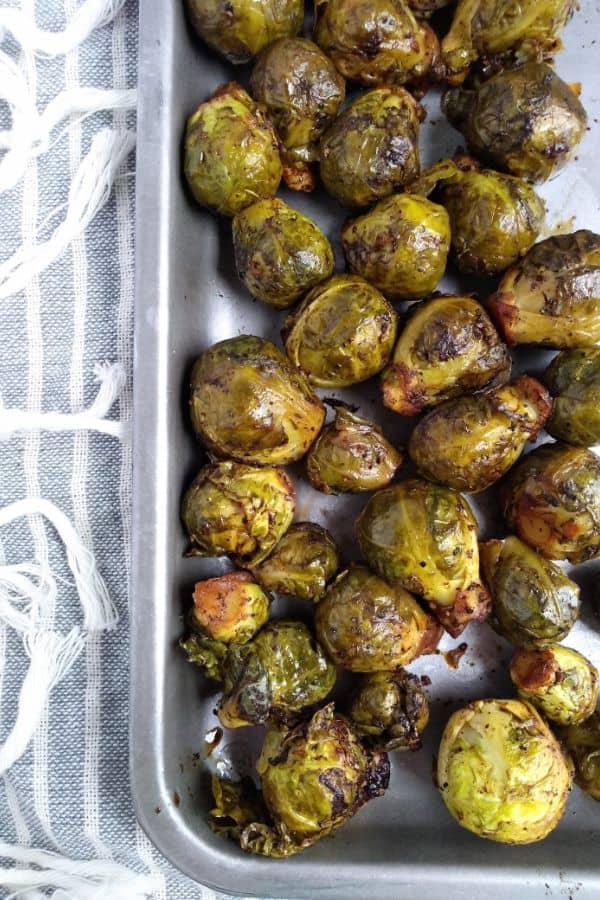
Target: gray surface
{"x":187,"y":298}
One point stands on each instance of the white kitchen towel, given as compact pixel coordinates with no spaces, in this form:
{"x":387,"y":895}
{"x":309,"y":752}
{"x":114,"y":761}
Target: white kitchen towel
{"x":67,"y":126}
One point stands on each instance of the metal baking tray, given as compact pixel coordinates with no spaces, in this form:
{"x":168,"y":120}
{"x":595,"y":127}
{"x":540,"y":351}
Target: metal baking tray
{"x":188,"y":297}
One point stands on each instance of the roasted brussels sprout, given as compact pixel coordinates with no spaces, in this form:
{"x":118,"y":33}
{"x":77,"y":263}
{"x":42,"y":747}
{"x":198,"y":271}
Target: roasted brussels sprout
{"x":230,"y":608}
{"x":239,"y":29}
{"x":376,"y":43}
{"x":560,"y":682}
{"x":351,"y":454}
{"x":501,"y":771}
{"x":279,"y":253}
{"x":400,"y":246}
{"x":494,"y":218}
{"x":552,"y":296}
{"x":526,"y":120}
{"x":448,"y":347}
{"x":249,"y":403}
{"x":497,"y":30}
{"x":231,"y":154}
{"x":371,"y":150}
{"x":366,"y":625}
{"x":390,"y":710}
{"x":314,"y":778}
{"x":573,"y":378}
{"x":342,"y":333}
{"x":278,"y":673}
{"x":302,"y":563}
{"x":301,"y":90}
{"x":424,"y":537}
{"x":469,"y":443}
{"x":552,"y":501}
{"x":582,"y":742}
{"x":239,"y":510}
{"x":534,"y":604}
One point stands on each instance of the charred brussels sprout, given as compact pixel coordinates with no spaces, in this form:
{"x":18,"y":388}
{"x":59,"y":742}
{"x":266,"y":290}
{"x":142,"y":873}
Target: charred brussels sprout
{"x":501,"y":771}
{"x":390,"y":710}
{"x":229,"y":609}
{"x":239,"y":29}
{"x":371,"y":150}
{"x":238,"y":510}
{"x":366,"y":625}
{"x":400,"y":246}
{"x":274,"y":676}
{"x":560,"y":682}
{"x":302,"y":563}
{"x":351,"y":454}
{"x":552,"y":296}
{"x":534,"y":604}
{"x":342,"y":333}
{"x":248,"y":402}
{"x":552,"y":501}
{"x":469,"y":443}
{"x":231,"y":154}
{"x":499,"y":30}
{"x":376,"y":43}
{"x":582,"y":742}
{"x":573,"y":378}
{"x":526,"y":120}
{"x":302,"y":91}
{"x":314,"y":778}
{"x":494,"y":218}
{"x":424,"y":537}
{"x":448,"y":347}
{"x":279,"y":253}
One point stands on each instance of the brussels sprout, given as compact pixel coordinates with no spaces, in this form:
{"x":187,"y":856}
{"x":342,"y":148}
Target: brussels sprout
{"x":552,"y":501}
{"x":534,"y":603}
{"x":302,"y":91}
{"x":501,"y":772}
{"x":371,"y":150}
{"x":552,"y":296}
{"x":351,"y":454}
{"x":560,"y":682}
{"x":278,"y":673}
{"x":469,"y":443}
{"x":390,"y":709}
{"x":494,"y":218}
{"x":249,"y":403}
{"x":302,"y":563}
{"x":424,"y":537}
{"x":526,"y":120}
{"x":342,"y":333}
{"x":377,"y":43}
{"x":239,"y":510}
{"x":400,"y":246}
{"x":499,"y":30}
{"x":314,"y":778}
{"x":366,"y":625}
{"x":573,"y":378}
{"x":239,"y":29}
{"x":448,"y":346}
{"x":231,"y":154}
{"x":582,"y":742}
{"x":205,"y":653}
{"x":279,"y":253}
{"x":230,"y":608}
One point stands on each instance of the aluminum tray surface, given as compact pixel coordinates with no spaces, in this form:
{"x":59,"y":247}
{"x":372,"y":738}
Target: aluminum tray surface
{"x":188,"y":296}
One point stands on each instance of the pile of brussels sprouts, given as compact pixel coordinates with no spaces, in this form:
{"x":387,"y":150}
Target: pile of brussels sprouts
{"x":501,"y":770}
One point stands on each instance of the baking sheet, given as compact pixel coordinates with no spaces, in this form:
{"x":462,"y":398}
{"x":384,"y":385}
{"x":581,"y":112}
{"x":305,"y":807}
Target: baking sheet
{"x":188,"y":297}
